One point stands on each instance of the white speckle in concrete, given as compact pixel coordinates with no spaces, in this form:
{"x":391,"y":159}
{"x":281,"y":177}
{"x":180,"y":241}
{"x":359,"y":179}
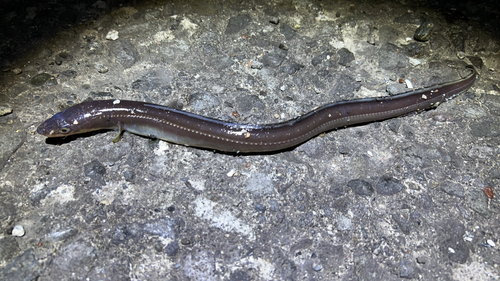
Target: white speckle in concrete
{"x":112,"y":35}
{"x":18,"y":231}
{"x":221,"y":217}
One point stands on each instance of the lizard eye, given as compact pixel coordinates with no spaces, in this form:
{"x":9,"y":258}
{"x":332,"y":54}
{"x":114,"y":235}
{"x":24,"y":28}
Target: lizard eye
{"x":64,"y":130}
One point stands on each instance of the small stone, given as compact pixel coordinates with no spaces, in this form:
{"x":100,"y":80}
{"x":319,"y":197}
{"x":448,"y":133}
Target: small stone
{"x":392,"y":89}
{"x":279,"y":217}
{"x":94,"y":169}
{"x":43,"y":79}
{"x":388,"y":185}
{"x":343,"y":223}
{"x":62,"y":57}
{"x":291,"y":68}
{"x":259,"y":184}
{"x":185,"y":241}
{"x":158,"y":247}
{"x":101,"y":68}
{"x":112,"y":35}
{"x":232,"y":173}
{"x":361,"y":187}
{"x":343,"y":149}
{"x":238,"y":23}
{"x":491,"y":242}
{"x":408,"y":83}
{"x":453,"y":189}
{"x":423,"y":32}
{"x":283,"y":46}
{"x":22,"y":267}
{"x":18,"y":231}
{"x":260,"y":208}
{"x":273,"y":59}
{"x":317,"y":267}
{"x":274,"y":20}
{"x":476,"y":61}
{"x":288,"y":31}
{"x":408,"y":270}
{"x":102,"y":95}
{"x":125,"y":52}
{"x":345,"y":57}
{"x":100,"y":5}
{"x":69,"y":73}
{"x":45,"y":53}
{"x":17,"y":71}
{"x":172,"y":248}
{"x":5,"y":109}
{"x":461,"y":55}
{"x":274,"y":206}
{"x":257,"y":65}
{"x":422,"y":259}
{"x":268,"y":29}
{"x":129,"y":174}
{"x":484,"y":128}
{"x":414,"y":62}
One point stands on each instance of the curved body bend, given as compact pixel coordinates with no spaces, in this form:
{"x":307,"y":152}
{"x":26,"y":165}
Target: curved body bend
{"x":194,"y":130}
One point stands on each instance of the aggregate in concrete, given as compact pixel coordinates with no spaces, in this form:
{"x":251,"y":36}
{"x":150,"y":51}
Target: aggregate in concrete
{"x":413,"y":197}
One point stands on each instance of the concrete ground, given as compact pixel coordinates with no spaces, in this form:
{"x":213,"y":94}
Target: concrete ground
{"x":413,"y":197}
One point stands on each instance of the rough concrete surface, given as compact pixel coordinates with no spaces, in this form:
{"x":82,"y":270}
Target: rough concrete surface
{"x":413,"y":197}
